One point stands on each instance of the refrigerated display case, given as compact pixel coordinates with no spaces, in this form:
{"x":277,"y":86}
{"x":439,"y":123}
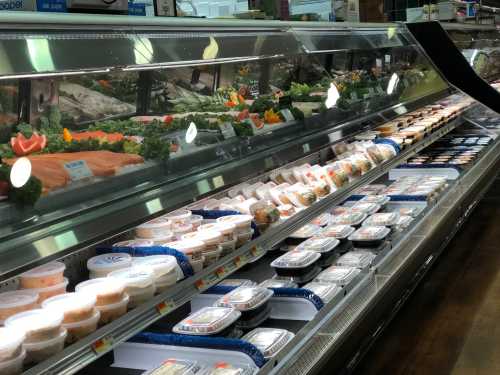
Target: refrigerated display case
{"x":216,"y":147}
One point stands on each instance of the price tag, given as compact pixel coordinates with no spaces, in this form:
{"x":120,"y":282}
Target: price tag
{"x":221,"y":272}
{"x":78,"y":170}
{"x":287,"y":114}
{"x":238,"y":261}
{"x":207,"y":281}
{"x":231,"y":267}
{"x":103,"y":345}
{"x":387,"y":59}
{"x":227,"y":130}
{"x":257,"y":251}
{"x":379,"y":63}
{"x":165,"y":307}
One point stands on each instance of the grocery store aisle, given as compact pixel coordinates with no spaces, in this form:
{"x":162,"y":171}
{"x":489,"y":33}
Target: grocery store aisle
{"x":451,"y":324}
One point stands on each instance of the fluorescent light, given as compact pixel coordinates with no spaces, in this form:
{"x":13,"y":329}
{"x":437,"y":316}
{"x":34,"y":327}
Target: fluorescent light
{"x":191,"y":133}
{"x":20,"y":172}
{"x":332,"y":96}
{"x":393,"y":82}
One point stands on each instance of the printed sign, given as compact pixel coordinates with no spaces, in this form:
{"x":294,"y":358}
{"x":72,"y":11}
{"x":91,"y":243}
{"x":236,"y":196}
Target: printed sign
{"x":78,"y":170}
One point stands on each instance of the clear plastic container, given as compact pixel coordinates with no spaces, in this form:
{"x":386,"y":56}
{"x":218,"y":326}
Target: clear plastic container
{"x":80,"y":329}
{"x":182,"y":229}
{"x":244,"y":237}
{"x":165,"y":237}
{"x":11,"y":343}
{"x":319,"y":244}
{"x":365,"y":207}
{"x":154,"y":228}
{"x":325,"y":291}
{"x":107,"y":290}
{"x":211,"y":238}
{"x":224,"y":368}
{"x":269,"y":340}
{"x":193,"y":249}
{"x":338,"y":275}
{"x":387,"y":219}
{"x":160,"y":264}
{"x":338,"y":231}
{"x":196,"y":221}
{"x":17,"y":301}
{"x":139,"y":283}
{"x":39,"y":351}
{"x":356,"y":258}
{"x":242,"y":222}
{"x":75,"y":306}
{"x":43,"y":276}
{"x":236,"y":282}
{"x":245,"y":298}
{"x":381,"y":200}
{"x":307,"y":231}
{"x":369,"y":236}
{"x":295,"y":260}
{"x":178,"y":217}
{"x":176,"y":367}
{"x":102,"y":265}
{"x":13,"y":366}
{"x":276,"y":283}
{"x":403,"y":222}
{"x":113,"y":311}
{"x":51,"y":291}
{"x":227,"y":229}
{"x":164,"y":282}
{"x":197,"y":264}
{"x":212,"y":256}
{"x":322,"y":220}
{"x":228,"y":247}
{"x":208,"y":321}
{"x":38,"y":325}
{"x":138,"y":242}
{"x":349,"y":218}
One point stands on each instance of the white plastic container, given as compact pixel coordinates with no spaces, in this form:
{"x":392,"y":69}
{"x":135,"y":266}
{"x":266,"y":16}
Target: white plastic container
{"x":13,"y":366}
{"x":245,"y":298}
{"x":208,"y":321}
{"x":75,"y":306}
{"x":177,"y":367}
{"x":162,"y":265}
{"x":193,"y":249}
{"x":197,"y":265}
{"x":243,"y":223}
{"x":51,"y":291}
{"x":180,"y":229}
{"x":166,"y":237}
{"x":338,"y":275}
{"x":37,"y":352}
{"x":43,"y":276}
{"x":80,"y":329}
{"x":212,"y":239}
{"x":349,"y":218}
{"x":227,"y":229}
{"x":11,"y":343}
{"x":154,"y":228}
{"x":269,"y":340}
{"x":139,"y":283}
{"x":387,"y":219}
{"x":107,"y":290}
{"x":228,"y":247}
{"x":38,"y":325}
{"x":323,"y":219}
{"x":113,"y":311}
{"x":365,"y":207}
{"x":212,"y":256}
{"x":403,"y":222}
{"x":138,"y":242}
{"x":369,"y":236}
{"x":299,"y":265}
{"x":338,"y":231}
{"x":319,"y":244}
{"x":102,"y":265}
{"x":244,"y":237}
{"x":325,"y":291}
{"x":179,"y":217}
{"x":196,"y":221}
{"x":17,"y":301}
{"x":381,"y":200}
{"x":307,"y":231}
{"x":276,"y":283}
{"x":357,"y":258}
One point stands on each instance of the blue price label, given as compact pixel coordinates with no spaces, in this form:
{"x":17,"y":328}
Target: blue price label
{"x":51,"y":5}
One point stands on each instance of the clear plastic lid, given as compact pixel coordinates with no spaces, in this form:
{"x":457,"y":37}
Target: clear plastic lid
{"x":173,"y":366}
{"x":338,"y":275}
{"x":224,"y":228}
{"x":188,"y":247}
{"x":136,"y":276}
{"x":339,"y":210}
{"x":158,"y":223}
{"x":101,"y":286}
{"x":208,"y":237}
{"x":17,"y":298}
{"x":245,"y":298}
{"x":45,"y":270}
{"x":269,"y":340}
{"x":177,"y":216}
{"x":319,"y":244}
{"x":207,"y":321}
{"x":307,"y":231}
{"x":365,"y":207}
{"x":35,"y":320}
{"x":238,"y":220}
{"x":109,"y":262}
{"x":356,"y":258}
{"x":138,"y":242}
{"x":224,"y":368}
{"x":339,"y":231}
{"x":377,"y":199}
{"x":296,"y":259}
{"x":70,"y":302}
{"x":236,"y":282}
{"x":382,"y":219}
{"x":277,"y":283}
{"x":10,"y":339}
{"x":370,"y":233}
{"x":404,"y":221}
{"x":160,"y":264}
{"x":325,"y":291}
{"x":349,"y":218}
{"x":323,"y":219}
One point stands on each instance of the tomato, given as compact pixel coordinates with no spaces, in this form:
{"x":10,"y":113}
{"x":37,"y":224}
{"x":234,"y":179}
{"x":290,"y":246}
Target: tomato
{"x":168,"y":119}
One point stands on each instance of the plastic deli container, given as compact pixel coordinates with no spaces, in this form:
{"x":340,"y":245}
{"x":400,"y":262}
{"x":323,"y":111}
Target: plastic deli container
{"x":139,"y":283}
{"x":338,"y":275}
{"x":102,"y":265}
{"x":178,"y":217}
{"x":75,"y":306}
{"x":50,"y":291}
{"x":244,"y":237}
{"x":369,"y":236}
{"x":163,"y":266}
{"x":181,"y":229}
{"x":307,"y":231}
{"x":339,"y":231}
{"x":17,"y":301}
{"x":193,"y":249}
{"x":227,"y":229}
{"x":166,"y":237}
{"x":403,"y":222}
{"x":381,"y":200}
{"x":277,"y":283}
{"x":223,"y":368}
{"x":113,"y":311}
{"x":301,"y":266}
{"x":211,"y":238}
{"x":154,"y":228}
{"x":43,"y":276}
{"x":176,"y":367}
{"x":357,"y":258}
{"x":228,"y":247}
{"x":218,"y":321}
{"x":243,"y":223}
{"x":387,"y":219}
{"x":78,"y":330}
{"x":13,"y":366}
{"x":236,"y":282}
{"x":365,"y":207}
{"x":325,"y":291}
{"x":107,"y":290}
{"x":269,"y":340}
{"x":38,"y":325}
{"x":349,"y":218}
{"x":11,"y":343}
{"x":196,"y":221}
{"x":251,"y":301}
{"x":138,"y":242}
{"x":37,"y":352}
{"x":323,"y":219}
{"x":322,"y":245}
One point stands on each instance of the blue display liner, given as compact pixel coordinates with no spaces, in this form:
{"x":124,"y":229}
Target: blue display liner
{"x":182,"y":259}
{"x":389,"y":142}
{"x":215,"y":214}
{"x":299,"y":293}
{"x":408,"y":198}
{"x":207,"y":342}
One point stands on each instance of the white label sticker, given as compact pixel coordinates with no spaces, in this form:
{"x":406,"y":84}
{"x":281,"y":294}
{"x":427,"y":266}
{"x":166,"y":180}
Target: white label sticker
{"x":379,"y":63}
{"x":387,"y":59}
{"x":227,"y":130}
{"x":78,"y":170}
{"x":287,"y":114}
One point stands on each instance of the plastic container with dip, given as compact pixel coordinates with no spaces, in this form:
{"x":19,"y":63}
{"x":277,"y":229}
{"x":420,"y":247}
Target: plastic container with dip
{"x":277,"y":283}
{"x":43,"y":276}
{"x":365,"y":207}
{"x":219,"y":321}
{"x":139,"y":283}
{"x":369,"y":236}
{"x":325,"y":291}
{"x":51,"y":291}
{"x":212,"y":240}
{"x":154,"y":228}
{"x":387,"y":219}
{"x":251,"y":301}
{"x":177,"y":367}
{"x":107,"y":290}
{"x":11,"y":343}
{"x":381,"y":200}
{"x":179,"y":217}
{"x":138,"y":242}
{"x":299,"y":236}
{"x":269,"y":340}
{"x":113,"y":311}
{"x":356,"y":258}
{"x":224,"y":368}
{"x":38,"y":325}
{"x":228,"y":230}
{"x":338,"y":275}
{"x":80,"y":329}
{"x":16,"y":301}
{"x":353,"y":219}
{"x":180,"y":229}
{"x":196,"y":221}
{"x":102,"y":265}
{"x":300,"y":266}
{"x":13,"y":366}
{"x":323,"y":245}
{"x":75,"y":306}
{"x":339,"y":231}
{"x":243,"y":223}
{"x":166,"y":237}
{"x":193,"y":249}
{"x":37,"y":352}
{"x":164,"y":268}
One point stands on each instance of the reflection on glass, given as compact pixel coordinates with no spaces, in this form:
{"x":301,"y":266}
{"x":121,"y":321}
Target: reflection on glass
{"x":40,"y":56}
{"x":191,"y":133}
{"x":20,"y":172}
{"x":143,"y":51}
{"x":212,"y":50}
{"x":393,"y":82}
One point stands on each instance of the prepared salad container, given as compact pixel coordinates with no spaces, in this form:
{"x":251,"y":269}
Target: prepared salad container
{"x":227,"y":229}
{"x":356,"y":258}
{"x":277,"y":283}
{"x":39,"y":351}
{"x":181,"y":229}
{"x":163,"y":266}
{"x":325,"y":291}
{"x":224,"y":368}
{"x":154,"y":228}
{"x":244,"y":237}
{"x":139,"y":283}
{"x":339,"y":231}
{"x":178,"y":217}
{"x":11,"y":343}
{"x":381,"y":200}
{"x":43,"y":276}
{"x":193,"y":249}
{"x":307,"y":231}
{"x":17,"y":301}
{"x":218,"y":321}
{"x":301,"y":266}
{"x":323,"y":219}
{"x":196,"y":221}
{"x":82,"y":328}
{"x":353,"y":219}
{"x":369,"y":236}
{"x":50,"y":291}
{"x":107,"y":290}
{"x":338,"y":275}
{"x":13,"y":366}
{"x":38,"y":325}
{"x":102,"y":265}
{"x":113,"y":311}
{"x":173,"y":366}
{"x":365,"y":207}
{"x":138,"y":242}
{"x":269,"y":340}
{"x":75,"y":306}
{"x":403,"y":222}
{"x":323,"y":245}
{"x":243,"y":223}
{"x":387,"y":219}
{"x":211,"y":238}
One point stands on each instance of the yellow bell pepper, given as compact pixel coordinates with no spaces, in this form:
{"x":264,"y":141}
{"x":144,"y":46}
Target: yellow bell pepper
{"x":67,"y":135}
{"x":271,"y":117}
